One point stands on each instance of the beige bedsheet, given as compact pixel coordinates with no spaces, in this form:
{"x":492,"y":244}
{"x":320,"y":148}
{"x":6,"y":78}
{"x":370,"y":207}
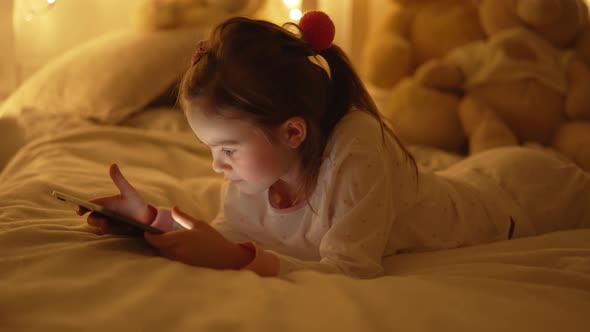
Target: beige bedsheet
{"x":56,"y":276}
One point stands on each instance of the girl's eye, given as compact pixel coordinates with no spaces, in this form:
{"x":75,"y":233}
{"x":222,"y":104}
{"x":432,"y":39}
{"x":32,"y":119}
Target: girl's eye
{"x":227,"y":152}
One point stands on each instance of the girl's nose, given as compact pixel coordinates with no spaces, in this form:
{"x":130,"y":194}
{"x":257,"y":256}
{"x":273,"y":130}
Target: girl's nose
{"x":219,"y":166}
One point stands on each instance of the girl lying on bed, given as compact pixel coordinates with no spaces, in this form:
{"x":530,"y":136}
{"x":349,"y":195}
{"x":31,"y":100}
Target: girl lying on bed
{"x":316,"y":180}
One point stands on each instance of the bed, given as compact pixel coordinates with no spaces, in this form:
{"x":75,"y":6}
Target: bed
{"x":111,"y":100}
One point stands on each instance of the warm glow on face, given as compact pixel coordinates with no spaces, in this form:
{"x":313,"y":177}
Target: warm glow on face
{"x":295,"y":14}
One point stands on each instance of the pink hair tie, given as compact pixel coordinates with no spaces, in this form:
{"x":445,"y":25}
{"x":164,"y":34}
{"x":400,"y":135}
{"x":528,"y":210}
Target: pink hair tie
{"x":198,"y":54}
{"x":317,"y":29}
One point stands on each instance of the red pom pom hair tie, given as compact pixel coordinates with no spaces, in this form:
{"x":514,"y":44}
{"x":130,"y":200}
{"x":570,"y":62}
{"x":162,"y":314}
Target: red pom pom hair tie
{"x":317,"y":29}
{"x":318,"y":32}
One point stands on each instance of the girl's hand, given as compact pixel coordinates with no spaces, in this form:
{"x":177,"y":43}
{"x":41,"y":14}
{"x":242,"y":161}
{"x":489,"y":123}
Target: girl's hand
{"x":128,"y":203}
{"x":202,"y":245}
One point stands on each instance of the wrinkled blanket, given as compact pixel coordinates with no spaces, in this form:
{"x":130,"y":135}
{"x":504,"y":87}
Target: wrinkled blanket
{"x":57,"y":276}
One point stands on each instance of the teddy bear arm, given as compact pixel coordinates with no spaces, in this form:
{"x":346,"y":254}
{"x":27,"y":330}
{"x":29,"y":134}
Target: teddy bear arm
{"x":485,"y":130}
{"x":424,"y":116}
{"x":439,"y":74}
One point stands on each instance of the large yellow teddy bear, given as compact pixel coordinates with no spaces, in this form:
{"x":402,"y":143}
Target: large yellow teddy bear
{"x":527,"y":83}
{"x":414,"y":32}
{"x":548,"y":104}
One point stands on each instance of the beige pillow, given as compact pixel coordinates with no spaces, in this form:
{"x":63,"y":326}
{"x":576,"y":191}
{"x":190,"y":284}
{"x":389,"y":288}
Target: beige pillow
{"x":109,"y":78}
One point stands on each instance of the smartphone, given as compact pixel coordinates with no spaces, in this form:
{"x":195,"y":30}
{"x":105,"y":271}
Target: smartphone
{"x":110,"y":215}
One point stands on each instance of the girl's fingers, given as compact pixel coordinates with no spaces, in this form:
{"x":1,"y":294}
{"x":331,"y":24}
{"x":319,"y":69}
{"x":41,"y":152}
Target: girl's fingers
{"x":124,"y":186}
{"x":155,"y":240}
{"x":162,"y":241}
{"x":115,"y":228}
{"x":108,"y":227}
{"x":184,"y":219}
{"x":96,"y":220}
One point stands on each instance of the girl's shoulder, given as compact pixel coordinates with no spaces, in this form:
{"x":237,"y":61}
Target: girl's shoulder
{"x":356,"y":131}
{"x":357,"y":119}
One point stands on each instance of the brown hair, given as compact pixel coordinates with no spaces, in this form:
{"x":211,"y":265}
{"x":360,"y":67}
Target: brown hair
{"x":263,"y":70}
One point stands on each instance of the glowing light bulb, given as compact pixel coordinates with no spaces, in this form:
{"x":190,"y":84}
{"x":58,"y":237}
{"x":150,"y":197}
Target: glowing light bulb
{"x":51,"y":2}
{"x":295,"y":14}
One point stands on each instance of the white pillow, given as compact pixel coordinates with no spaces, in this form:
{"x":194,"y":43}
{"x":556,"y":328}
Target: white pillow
{"x":108,"y":78}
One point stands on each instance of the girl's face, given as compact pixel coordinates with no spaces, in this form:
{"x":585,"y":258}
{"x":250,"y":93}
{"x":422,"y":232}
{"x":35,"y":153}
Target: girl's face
{"x":242,"y":151}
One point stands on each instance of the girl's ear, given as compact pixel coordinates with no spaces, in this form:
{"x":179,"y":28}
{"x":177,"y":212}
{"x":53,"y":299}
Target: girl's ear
{"x":293,"y":132}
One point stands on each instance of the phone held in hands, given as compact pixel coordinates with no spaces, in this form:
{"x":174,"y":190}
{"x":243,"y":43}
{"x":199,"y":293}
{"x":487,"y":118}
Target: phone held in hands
{"x":108,"y":214}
